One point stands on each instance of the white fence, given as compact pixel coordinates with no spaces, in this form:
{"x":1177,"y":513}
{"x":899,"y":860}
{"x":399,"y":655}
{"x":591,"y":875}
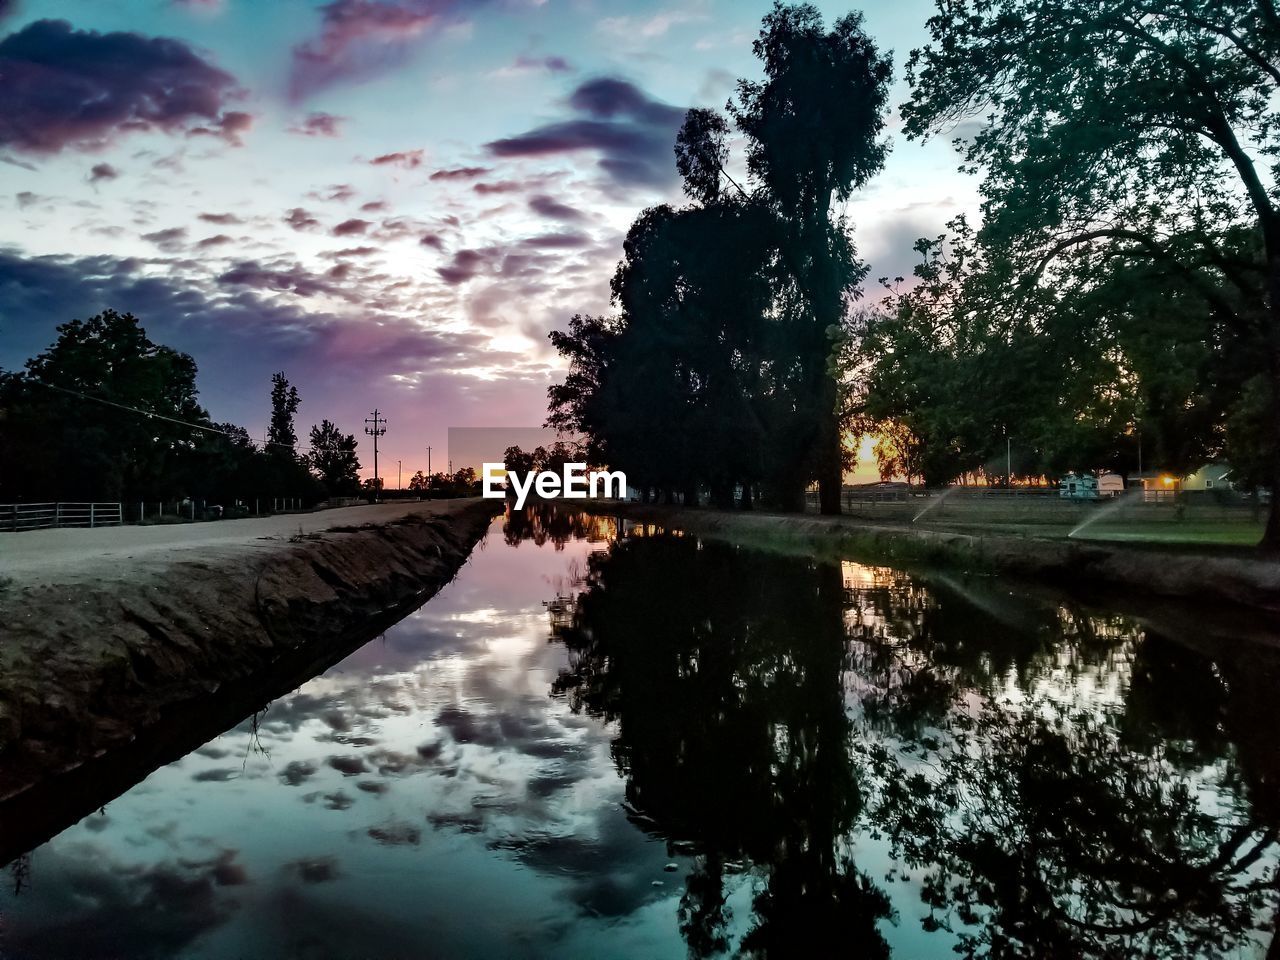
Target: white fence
{"x":41,"y":516}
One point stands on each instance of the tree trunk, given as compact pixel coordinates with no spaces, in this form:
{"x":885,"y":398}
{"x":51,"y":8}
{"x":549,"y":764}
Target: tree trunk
{"x":691,"y":495}
{"x":745,"y":502}
{"x":830,"y":461}
{"x":1271,"y":535}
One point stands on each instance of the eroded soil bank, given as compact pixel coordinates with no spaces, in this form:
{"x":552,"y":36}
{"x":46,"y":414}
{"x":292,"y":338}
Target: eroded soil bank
{"x":107,"y":673}
{"x":1237,"y":578}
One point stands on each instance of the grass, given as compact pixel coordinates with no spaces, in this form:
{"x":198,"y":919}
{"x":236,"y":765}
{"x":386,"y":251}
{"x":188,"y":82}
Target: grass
{"x":1231,"y":533}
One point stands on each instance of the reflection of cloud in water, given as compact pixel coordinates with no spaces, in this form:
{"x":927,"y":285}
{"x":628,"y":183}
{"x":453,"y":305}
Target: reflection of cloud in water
{"x":436,"y":744}
{"x":86,"y":903}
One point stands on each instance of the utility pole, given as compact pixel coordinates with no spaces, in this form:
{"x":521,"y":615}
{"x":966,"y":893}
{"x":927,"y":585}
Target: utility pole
{"x":398,"y":462}
{"x":378,"y":428}
{"x":428,"y":461}
{"x":1008,"y":459}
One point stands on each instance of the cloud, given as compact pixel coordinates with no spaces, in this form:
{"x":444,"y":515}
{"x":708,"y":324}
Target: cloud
{"x":102,"y":171}
{"x":300,"y":219}
{"x":374,"y":206}
{"x":647,"y":28}
{"x":171,"y":240}
{"x":222,"y":219}
{"x":294,"y":279}
{"x":409,"y":159}
{"x":631,"y":133}
{"x":228,"y":127}
{"x":459,"y":173}
{"x":552,"y":208}
{"x":80,"y":88}
{"x":319,"y":124}
{"x":214,"y":241}
{"x":564,"y":241}
{"x":502,"y":186}
{"x":524,"y":64}
{"x":432,"y":240}
{"x":464,"y":265}
{"x":360,"y":39}
{"x":26,"y":198}
{"x":348,"y":228}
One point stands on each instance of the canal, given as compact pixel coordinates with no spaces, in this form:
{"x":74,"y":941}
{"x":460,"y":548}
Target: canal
{"x":604,"y":740}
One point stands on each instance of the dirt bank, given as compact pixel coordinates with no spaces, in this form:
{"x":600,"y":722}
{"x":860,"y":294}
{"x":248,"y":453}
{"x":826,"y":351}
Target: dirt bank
{"x":107,"y":669}
{"x":1184,"y":573}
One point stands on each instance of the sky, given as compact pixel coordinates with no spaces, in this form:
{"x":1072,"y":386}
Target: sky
{"x":392,"y":201}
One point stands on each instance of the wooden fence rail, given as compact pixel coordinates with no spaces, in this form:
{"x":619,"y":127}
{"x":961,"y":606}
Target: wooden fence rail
{"x":42,"y":516}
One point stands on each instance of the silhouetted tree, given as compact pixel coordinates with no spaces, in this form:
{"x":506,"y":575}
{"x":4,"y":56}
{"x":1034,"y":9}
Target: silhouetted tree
{"x":333,"y":459}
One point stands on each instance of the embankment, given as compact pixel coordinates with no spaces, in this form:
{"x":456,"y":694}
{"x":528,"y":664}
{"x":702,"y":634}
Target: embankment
{"x":110,"y":671}
{"x":1238,"y":578}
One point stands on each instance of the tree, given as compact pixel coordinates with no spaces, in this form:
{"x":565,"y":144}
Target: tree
{"x":1129,"y":131}
{"x":333,"y":459}
{"x":719,"y":369}
{"x":418,"y":482}
{"x":104,"y":412}
{"x":284,"y":405}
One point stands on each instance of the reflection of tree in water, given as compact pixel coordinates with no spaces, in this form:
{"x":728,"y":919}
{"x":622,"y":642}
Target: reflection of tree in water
{"x":1041,"y":833}
{"x":1108,"y":830}
{"x":723,"y":672}
{"x":547,"y":523}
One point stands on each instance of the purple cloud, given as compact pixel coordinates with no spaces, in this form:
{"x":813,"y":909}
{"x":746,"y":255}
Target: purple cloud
{"x":215,"y":241}
{"x":319,"y":124}
{"x":222,"y":219}
{"x":553,"y":209}
{"x":459,"y":173}
{"x":409,"y":159}
{"x":80,"y":88}
{"x":102,"y":171}
{"x":301,"y":219}
{"x":558,"y":241}
{"x":348,"y":228}
{"x":631,"y":133}
{"x":363,"y":38}
{"x":464,"y":265}
{"x":171,"y":240}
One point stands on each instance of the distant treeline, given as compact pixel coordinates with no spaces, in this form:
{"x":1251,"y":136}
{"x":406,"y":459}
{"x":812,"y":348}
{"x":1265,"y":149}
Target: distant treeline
{"x":106,"y":414}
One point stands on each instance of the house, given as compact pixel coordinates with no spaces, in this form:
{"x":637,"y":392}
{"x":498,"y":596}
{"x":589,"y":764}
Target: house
{"x":1212,"y":476}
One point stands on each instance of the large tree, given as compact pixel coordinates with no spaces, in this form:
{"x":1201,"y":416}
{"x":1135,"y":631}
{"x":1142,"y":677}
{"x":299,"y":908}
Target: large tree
{"x":333,"y":459}
{"x":1136,"y":131}
{"x":100,"y":414}
{"x":720,"y":369}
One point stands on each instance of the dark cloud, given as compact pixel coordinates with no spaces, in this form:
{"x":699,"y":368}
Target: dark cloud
{"x":102,"y":171}
{"x":464,"y":265}
{"x":631,"y":134}
{"x":26,"y":198}
{"x":293,"y":278}
{"x":301,"y":219}
{"x":459,"y":173}
{"x":338,"y":192}
{"x":409,"y":159}
{"x":552,"y":64}
{"x":554,"y":209}
{"x":352,"y":227}
{"x":354,"y":252}
{"x":80,"y":88}
{"x":319,"y":124}
{"x":215,"y":241}
{"x":222,"y":219}
{"x":171,"y":240}
{"x":374,"y":206}
{"x":363,"y":38}
{"x":228,"y":127}
{"x":563,"y":241}
{"x":428,"y":240}
{"x":501,"y":186}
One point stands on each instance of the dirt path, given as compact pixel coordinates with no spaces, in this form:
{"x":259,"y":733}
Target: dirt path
{"x":72,"y":554}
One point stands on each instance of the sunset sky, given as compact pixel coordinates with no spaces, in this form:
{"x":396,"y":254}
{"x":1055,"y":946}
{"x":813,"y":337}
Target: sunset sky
{"x":392,"y":201}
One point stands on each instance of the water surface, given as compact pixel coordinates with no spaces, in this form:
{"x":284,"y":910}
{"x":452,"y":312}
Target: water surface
{"x":631,"y":744}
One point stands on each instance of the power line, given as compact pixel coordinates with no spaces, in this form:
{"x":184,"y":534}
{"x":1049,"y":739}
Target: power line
{"x":160,"y":416}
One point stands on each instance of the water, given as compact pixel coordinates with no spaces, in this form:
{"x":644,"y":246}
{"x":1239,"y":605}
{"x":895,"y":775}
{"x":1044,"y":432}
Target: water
{"x":934,"y":502}
{"x":703,"y":751}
